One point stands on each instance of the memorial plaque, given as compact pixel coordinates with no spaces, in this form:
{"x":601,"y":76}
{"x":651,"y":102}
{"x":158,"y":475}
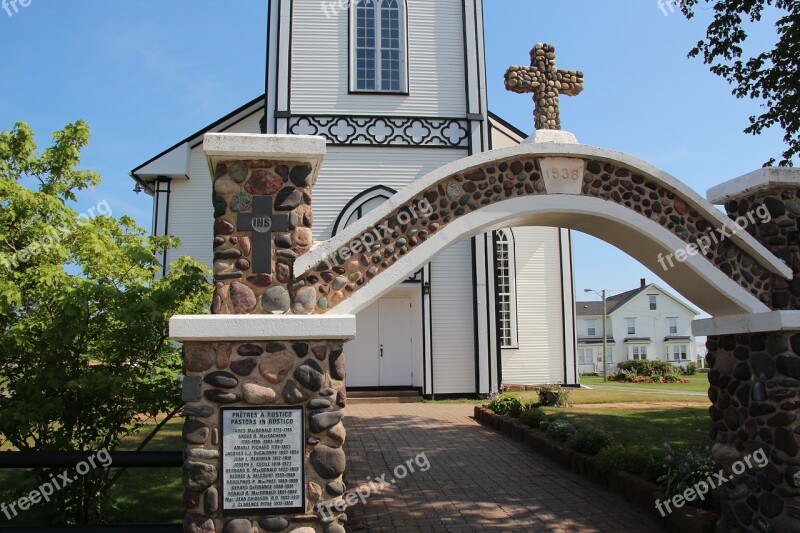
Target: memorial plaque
{"x":262,"y":460}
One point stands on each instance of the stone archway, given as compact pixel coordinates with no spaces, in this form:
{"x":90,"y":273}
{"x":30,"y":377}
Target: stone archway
{"x":291,"y":322}
{"x":613,"y":196}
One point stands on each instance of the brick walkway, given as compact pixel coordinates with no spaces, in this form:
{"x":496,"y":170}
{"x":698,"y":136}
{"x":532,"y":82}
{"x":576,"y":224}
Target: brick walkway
{"x":478,"y":480}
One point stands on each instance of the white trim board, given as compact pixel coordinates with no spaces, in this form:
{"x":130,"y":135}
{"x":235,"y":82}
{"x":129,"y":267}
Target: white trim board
{"x":215,"y":328}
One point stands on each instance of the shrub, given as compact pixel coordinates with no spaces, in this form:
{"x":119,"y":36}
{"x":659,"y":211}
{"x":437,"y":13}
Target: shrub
{"x":647,"y":367}
{"x":533,"y":417}
{"x":506,"y":405}
{"x":684,"y":468}
{"x":630,"y":459}
{"x":690,"y":369}
{"x":560,"y":430}
{"x":590,"y":440}
{"x":553,"y":396}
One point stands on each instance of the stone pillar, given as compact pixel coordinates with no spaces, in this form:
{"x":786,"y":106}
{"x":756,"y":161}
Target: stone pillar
{"x":252,"y":351}
{"x":755,"y":365}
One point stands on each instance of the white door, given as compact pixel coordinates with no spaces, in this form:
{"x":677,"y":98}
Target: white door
{"x":362,"y":356}
{"x":395,"y":342}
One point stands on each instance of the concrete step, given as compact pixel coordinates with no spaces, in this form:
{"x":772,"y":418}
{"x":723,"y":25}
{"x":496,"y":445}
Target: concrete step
{"x":384,"y":399}
{"x":383,"y":396}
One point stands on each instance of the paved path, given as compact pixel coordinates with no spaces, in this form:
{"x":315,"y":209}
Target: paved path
{"x":477,"y":480}
{"x":638,"y":405}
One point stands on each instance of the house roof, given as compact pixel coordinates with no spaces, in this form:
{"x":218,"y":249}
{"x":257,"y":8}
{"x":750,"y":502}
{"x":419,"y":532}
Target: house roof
{"x":614,"y":302}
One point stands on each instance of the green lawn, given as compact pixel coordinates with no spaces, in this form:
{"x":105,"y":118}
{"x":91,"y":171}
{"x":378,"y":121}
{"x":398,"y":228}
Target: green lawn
{"x":646,"y":427}
{"x":697,"y":383}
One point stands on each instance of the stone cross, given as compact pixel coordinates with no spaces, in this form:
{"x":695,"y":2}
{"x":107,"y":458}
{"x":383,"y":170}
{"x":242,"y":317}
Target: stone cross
{"x":546,"y":83}
{"x":262,"y":223}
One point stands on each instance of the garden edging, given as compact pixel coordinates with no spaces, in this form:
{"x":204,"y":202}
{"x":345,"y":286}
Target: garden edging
{"x":638,"y":491}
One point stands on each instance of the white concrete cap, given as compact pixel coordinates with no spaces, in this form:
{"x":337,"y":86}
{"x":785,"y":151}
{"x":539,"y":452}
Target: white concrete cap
{"x":291,"y":148}
{"x":551,"y":136}
{"x":751,"y":323}
{"x":218,"y":328}
{"x":761,"y":179}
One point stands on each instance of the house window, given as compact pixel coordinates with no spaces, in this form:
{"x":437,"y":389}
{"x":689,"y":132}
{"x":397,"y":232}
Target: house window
{"x":673,"y":326}
{"x":609,"y":355}
{"x":631,"y":323}
{"x":638,"y":352}
{"x":680,"y":352}
{"x":585,"y":356}
{"x":379,"y":46}
{"x":506,"y":288}
{"x":653,"y":303}
{"x":591,"y":328}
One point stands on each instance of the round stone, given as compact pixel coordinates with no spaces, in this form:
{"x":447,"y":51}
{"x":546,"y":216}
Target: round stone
{"x":238,"y":525}
{"x":302,"y":237}
{"x":258,"y":395}
{"x":259,"y":280}
{"x":241,"y":202}
{"x":300,"y":349}
{"x":341,"y":397}
{"x":198,"y":411}
{"x":276,"y":299}
{"x":335,"y":488}
{"x":301,"y":176}
{"x":318,"y":403}
{"x":337,"y":361}
{"x":195,"y":432}
{"x":263,"y":183}
{"x":309,"y":374}
{"x":282,"y":272}
{"x":276,"y":368}
{"x":275,"y":347}
{"x":221,"y":396}
{"x":305,"y":301}
{"x":337,"y":433}
{"x":198,"y":476}
{"x":242,"y":297}
{"x":198,"y":359}
{"x":321,"y":421}
{"x":274,"y":524}
{"x":222,"y":380}
{"x":238,"y":171}
{"x":293,"y":393}
{"x":211,"y":501}
{"x":225,"y":186}
{"x":328,"y":462}
{"x":319,"y":352}
{"x":287,"y":199}
{"x":195,"y":523}
{"x":250,"y":350}
{"x":243,"y":367}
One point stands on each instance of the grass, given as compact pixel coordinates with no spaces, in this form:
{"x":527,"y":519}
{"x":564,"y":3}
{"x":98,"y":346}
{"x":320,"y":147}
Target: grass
{"x":646,"y":427}
{"x":697,"y":383}
{"x":142,"y":495}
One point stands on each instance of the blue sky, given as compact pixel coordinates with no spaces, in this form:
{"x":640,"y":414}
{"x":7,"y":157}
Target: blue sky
{"x":145,"y":74}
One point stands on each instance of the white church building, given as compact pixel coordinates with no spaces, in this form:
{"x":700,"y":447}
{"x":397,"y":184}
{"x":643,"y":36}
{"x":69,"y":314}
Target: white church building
{"x":398,"y":89}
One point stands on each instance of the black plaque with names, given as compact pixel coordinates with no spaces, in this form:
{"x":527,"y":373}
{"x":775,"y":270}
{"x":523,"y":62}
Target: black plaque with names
{"x":262,"y":460}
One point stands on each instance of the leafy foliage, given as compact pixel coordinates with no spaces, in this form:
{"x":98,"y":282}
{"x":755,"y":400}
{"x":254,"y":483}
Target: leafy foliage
{"x":590,"y":440}
{"x":560,"y":429}
{"x":685,"y":467}
{"x":636,"y":460}
{"x":770,"y":75}
{"x":690,"y":369}
{"x":533,"y":417}
{"x":84,"y":354}
{"x":647,"y":367}
{"x":506,"y":405}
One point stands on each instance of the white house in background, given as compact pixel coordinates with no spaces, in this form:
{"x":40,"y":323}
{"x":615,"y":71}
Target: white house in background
{"x":643,"y":323}
{"x":398,"y":88}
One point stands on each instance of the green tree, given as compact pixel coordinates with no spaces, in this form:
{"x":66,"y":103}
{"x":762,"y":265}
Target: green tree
{"x":85,"y":358}
{"x":770,"y":75}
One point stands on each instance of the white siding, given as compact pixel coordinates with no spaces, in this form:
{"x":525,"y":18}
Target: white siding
{"x":320,"y":57}
{"x":347,"y":171}
{"x":453,"y":323}
{"x":540,"y":356}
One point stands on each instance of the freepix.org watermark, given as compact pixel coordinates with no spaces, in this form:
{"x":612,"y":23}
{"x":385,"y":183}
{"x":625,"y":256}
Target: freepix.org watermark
{"x":373,"y":486}
{"x":668,"y":7}
{"x":701,"y":488}
{"x":716,"y":236}
{"x":46,"y":242}
{"x":11,"y":7}
{"x":333,"y":7}
{"x":101,"y":459}
{"x":365,"y":241}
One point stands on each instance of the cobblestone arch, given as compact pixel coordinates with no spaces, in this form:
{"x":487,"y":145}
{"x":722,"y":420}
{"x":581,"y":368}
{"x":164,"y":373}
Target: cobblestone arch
{"x":613,"y":196}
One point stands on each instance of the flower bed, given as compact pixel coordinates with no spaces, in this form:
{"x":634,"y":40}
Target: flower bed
{"x":634,"y":489}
